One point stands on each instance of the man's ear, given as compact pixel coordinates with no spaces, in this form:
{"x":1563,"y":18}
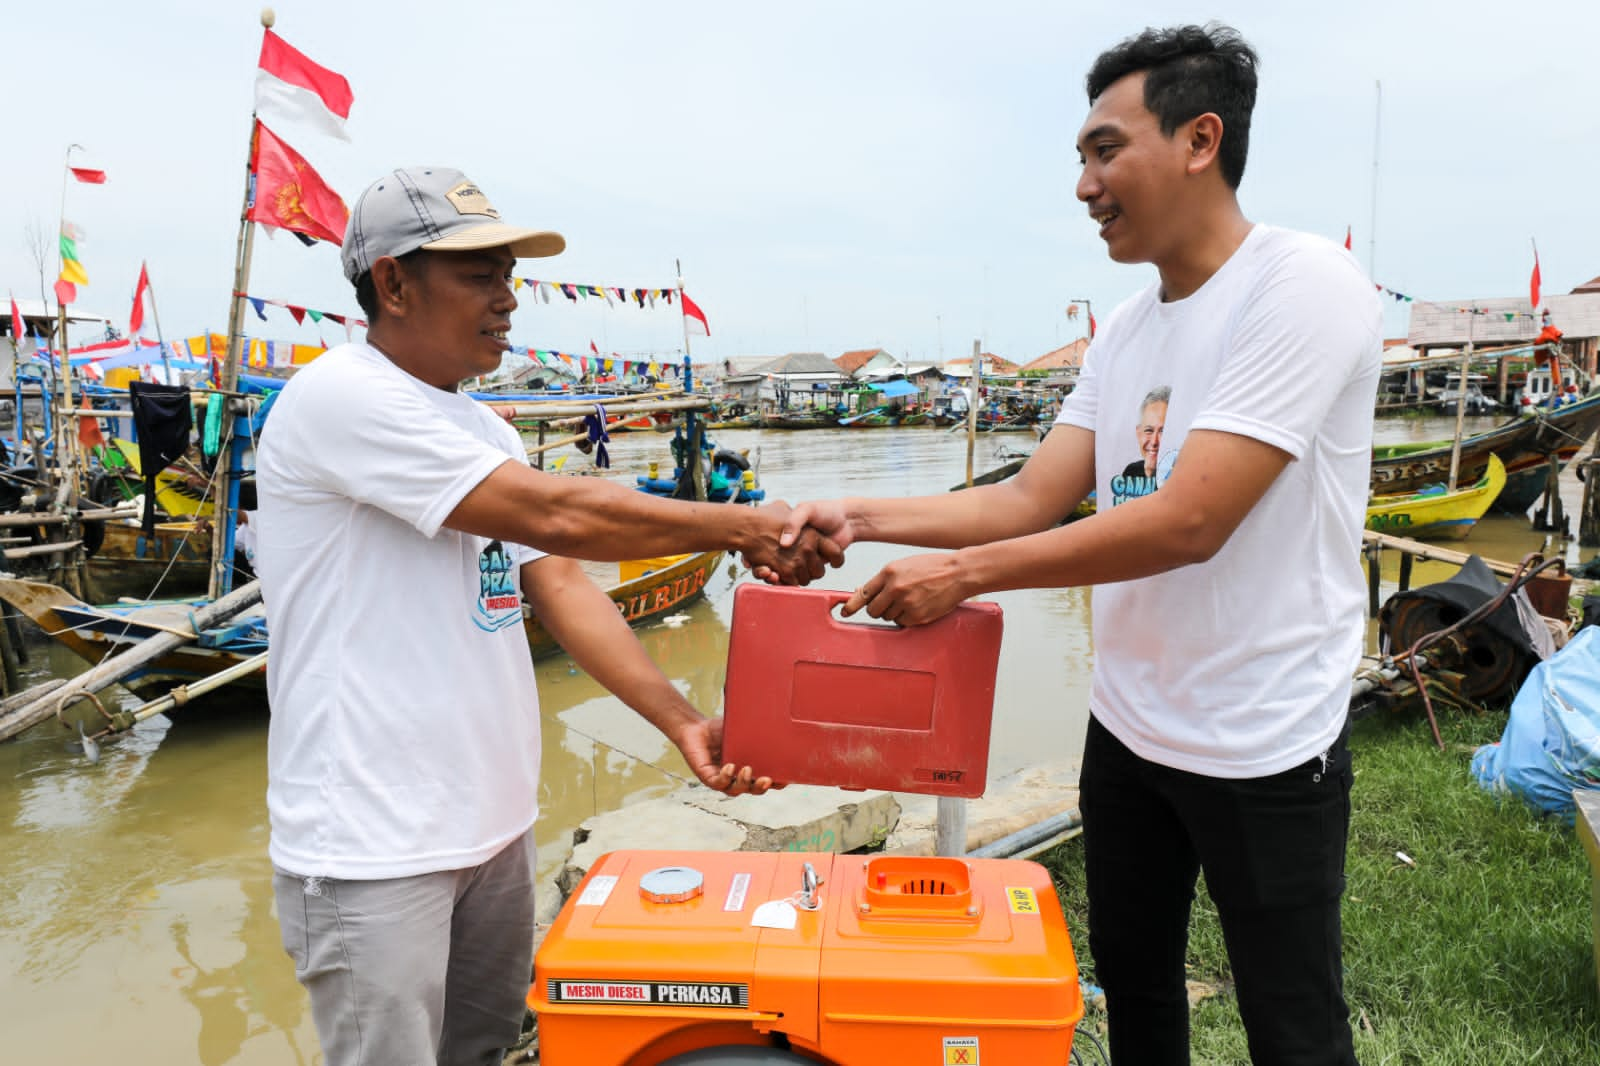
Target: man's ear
{"x":393,"y":285}
{"x":1204,"y":136}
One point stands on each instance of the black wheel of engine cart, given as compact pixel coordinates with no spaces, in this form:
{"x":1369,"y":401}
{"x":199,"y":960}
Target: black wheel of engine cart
{"x":739,"y":1056}
{"x":1087,"y":1049}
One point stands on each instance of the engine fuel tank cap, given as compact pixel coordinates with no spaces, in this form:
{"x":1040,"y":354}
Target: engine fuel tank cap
{"x":672,"y":884}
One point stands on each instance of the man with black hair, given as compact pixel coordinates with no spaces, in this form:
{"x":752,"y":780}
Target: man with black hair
{"x":1216,"y":740}
{"x":399,"y":533}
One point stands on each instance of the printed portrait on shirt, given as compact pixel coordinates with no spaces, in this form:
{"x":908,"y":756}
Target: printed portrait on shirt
{"x":1151,"y":467}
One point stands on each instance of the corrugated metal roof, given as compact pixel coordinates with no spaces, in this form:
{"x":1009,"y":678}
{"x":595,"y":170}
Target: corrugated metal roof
{"x":801,"y":363}
{"x":1577,"y":316}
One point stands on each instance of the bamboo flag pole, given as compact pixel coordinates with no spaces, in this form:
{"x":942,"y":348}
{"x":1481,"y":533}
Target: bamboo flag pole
{"x":691,"y":460}
{"x":67,"y":455}
{"x":228,"y":497}
{"x":1461,"y":400}
{"x":155,"y":315}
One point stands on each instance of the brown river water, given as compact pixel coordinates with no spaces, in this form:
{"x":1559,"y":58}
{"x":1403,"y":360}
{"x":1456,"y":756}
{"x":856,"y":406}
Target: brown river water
{"x":136,"y":903}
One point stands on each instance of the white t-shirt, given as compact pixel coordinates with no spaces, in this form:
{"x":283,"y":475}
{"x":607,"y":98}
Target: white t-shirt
{"x":404,"y":736}
{"x":1240,"y":666}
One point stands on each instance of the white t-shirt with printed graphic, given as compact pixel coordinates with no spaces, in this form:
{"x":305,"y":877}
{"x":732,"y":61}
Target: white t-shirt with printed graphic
{"x":404,"y":733}
{"x":1240,"y":666}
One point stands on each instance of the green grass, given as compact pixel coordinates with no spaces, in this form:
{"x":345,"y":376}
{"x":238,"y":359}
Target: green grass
{"x":1481,"y":953}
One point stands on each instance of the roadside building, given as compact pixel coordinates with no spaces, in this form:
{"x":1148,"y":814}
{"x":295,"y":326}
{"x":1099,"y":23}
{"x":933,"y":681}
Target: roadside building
{"x":1058,"y":367}
{"x":1442,"y":328}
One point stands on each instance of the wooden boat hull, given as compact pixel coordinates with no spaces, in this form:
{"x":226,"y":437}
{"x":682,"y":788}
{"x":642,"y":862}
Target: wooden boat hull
{"x":174,"y":562}
{"x":800,"y":422}
{"x":93,"y":633}
{"x":1524,"y":446}
{"x":1440,"y":516}
{"x":643,"y":599}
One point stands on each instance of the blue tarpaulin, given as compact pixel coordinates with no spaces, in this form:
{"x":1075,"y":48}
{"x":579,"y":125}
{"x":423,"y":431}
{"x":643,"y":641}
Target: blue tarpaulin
{"x":891,"y":389}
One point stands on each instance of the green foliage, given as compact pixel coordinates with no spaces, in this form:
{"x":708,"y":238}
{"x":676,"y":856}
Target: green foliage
{"x":1480,"y":953}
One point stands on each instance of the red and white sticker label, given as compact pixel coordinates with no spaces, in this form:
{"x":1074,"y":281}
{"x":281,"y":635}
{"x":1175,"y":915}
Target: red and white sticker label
{"x":651,"y":993}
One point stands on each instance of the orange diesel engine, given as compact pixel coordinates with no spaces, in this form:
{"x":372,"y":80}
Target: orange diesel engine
{"x":751,"y":957}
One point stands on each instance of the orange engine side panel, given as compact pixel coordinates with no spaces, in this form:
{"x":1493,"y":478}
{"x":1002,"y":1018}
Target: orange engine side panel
{"x":902,"y":960}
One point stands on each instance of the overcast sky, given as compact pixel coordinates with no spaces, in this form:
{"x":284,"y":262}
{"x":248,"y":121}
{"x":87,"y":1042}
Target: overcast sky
{"x":831,"y":175}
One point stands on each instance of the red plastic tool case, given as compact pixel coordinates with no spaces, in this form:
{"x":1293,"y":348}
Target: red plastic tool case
{"x":813,"y":699}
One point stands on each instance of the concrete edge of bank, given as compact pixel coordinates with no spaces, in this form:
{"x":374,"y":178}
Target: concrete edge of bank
{"x":806,"y":818}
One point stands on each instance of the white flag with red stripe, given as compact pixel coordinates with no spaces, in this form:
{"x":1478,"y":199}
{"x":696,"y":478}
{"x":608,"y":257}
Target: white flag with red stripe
{"x":694,"y":319}
{"x":290,"y":86}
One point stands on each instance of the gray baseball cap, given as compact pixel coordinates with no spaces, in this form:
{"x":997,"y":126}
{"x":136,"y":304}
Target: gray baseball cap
{"x":435,"y":208}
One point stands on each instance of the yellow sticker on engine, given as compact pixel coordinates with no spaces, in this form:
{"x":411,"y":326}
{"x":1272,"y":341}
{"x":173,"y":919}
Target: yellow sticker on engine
{"x":960,"y":1051}
{"x":1022,"y":900}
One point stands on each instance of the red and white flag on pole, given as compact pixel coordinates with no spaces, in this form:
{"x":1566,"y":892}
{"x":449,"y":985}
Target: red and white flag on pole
{"x":594,"y":348}
{"x":1533,"y":282}
{"x":290,"y":86}
{"x":1347,"y":239}
{"x":694,"y":319}
{"x":290,"y":195}
{"x":88,"y":176}
{"x":140,"y":293}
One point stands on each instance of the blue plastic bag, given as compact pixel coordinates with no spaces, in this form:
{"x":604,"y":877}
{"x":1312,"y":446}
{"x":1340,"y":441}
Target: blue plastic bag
{"x":1551,"y":744}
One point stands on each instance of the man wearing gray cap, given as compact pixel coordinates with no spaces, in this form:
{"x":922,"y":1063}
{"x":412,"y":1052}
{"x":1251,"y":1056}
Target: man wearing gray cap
{"x":400,"y":531}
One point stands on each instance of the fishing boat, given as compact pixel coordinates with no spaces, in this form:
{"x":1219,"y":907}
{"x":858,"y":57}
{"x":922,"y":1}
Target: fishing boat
{"x":811,"y":418}
{"x":1524,"y":445}
{"x":1436,"y":513}
{"x":648,"y":590}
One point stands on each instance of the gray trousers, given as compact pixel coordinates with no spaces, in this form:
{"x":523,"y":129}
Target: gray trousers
{"x":431,"y":970}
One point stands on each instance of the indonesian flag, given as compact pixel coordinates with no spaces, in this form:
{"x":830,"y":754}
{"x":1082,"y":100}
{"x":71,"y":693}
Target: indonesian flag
{"x":87,"y":176}
{"x":1533,"y":283}
{"x":290,"y":86}
{"x":694,"y":319}
{"x":17,"y":327}
{"x":1347,"y":238}
{"x":290,"y":195}
{"x":140,"y":293}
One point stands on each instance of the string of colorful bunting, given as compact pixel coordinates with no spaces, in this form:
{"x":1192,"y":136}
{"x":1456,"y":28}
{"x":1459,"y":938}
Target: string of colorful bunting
{"x":611,"y":294}
{"x":1509,"y":316}
{"x":599,"y":364}
{"x":300,"y":314}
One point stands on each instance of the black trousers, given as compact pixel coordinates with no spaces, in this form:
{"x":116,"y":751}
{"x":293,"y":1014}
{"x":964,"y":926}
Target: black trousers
{"x":1272,"y":849}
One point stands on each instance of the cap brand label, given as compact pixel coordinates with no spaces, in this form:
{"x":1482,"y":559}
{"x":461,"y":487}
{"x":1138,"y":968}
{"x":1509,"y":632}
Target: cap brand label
{"x":469,"y":200}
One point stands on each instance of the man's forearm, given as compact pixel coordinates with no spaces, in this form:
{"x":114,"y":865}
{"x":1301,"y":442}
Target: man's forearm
{"x":588,"y":518}
{"x":954,"y":520}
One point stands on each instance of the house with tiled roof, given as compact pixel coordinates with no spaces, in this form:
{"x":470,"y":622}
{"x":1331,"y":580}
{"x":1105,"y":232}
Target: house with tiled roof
{"x":867,"y":362}
{"x":994,"y":366}
{"x":1067,"y":359}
